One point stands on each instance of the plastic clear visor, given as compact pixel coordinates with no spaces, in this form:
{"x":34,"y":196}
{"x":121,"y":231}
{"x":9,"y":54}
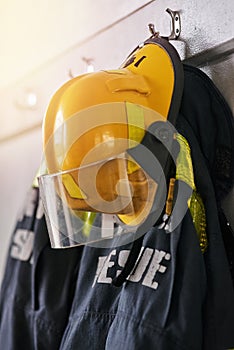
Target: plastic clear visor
{"x":97,"y":202}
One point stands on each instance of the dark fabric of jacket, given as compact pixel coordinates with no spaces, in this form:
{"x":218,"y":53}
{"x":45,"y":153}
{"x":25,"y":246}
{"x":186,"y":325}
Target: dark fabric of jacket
{"x":176,"y":297}
{"x":38,"y":285}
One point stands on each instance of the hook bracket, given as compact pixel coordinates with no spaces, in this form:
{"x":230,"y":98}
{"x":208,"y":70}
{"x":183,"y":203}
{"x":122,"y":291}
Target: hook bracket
{"x":175,"y":26}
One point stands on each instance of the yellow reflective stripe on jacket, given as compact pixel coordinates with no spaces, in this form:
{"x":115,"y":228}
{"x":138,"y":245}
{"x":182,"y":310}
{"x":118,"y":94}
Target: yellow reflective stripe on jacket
{"x":184,"y":172}
{"x":184,"y":166}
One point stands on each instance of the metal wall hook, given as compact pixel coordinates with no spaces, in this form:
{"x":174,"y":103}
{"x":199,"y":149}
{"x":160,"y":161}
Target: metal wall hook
{"x":89,"y":67}
{"x":175,"y":26}
{"x":89,"y":64}
{"x":152,"y":30}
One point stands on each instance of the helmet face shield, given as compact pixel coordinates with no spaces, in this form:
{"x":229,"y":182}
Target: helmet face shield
{"x":74,"y":200}
{"x":90,"y":172}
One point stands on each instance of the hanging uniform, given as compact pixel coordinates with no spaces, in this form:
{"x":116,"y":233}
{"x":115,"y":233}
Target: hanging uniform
{"x":176,"y":297}
{"x":38,"y":285}
{"x":160,"y":306}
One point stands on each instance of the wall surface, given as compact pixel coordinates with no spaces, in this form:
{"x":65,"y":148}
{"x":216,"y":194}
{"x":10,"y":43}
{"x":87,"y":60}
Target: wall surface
{"x":43,"y":43}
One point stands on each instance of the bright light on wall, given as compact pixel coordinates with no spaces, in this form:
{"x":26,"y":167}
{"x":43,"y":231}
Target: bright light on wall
{"x":89,"y":64}
{"x":31,"y":99}
{"x":90,"y":68}
{"x":26,"y":99}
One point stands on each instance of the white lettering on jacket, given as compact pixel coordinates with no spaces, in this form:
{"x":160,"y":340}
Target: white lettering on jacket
{"x":150,"y":263}
{"x":23,"y":238}
{"x":22,"y":244}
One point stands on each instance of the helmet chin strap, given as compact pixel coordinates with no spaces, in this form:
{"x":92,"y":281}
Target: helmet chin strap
{"x":157,"y":152}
